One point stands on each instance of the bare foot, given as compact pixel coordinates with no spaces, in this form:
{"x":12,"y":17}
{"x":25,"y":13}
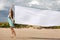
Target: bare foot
{"x":12,"y":36}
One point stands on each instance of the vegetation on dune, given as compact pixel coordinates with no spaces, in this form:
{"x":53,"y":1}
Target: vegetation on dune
{"x":6,"y":25}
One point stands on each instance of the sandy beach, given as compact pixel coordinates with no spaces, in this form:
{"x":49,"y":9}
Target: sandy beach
{"x":30,"y":34}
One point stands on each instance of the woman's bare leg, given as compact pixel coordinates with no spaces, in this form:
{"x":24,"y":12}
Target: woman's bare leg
{"x":13,"y":31}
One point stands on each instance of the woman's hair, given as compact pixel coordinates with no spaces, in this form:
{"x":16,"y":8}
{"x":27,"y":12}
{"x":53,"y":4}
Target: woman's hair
{"x":12,"y":13}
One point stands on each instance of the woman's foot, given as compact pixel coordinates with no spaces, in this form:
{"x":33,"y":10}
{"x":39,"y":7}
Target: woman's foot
{"x":12,"y":36}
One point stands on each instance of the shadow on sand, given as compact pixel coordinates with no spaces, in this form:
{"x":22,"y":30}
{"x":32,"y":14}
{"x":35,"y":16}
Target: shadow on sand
{"x":38,"y":38}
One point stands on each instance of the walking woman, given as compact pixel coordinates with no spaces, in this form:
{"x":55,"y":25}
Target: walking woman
{"x":11,"y":22}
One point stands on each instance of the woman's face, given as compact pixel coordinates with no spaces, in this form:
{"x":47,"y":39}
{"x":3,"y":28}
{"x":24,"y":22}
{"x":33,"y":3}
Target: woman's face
{"x":10,"y":14}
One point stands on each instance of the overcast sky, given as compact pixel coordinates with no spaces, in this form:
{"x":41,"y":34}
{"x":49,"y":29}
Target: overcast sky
{"x":42,"y":4}
{"x":39,"y":4}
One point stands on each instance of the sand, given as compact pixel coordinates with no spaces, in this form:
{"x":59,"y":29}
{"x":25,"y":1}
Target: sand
{"x":30,"y":34}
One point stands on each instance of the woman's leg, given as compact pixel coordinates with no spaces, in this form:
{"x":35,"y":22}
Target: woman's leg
{"x":13,"y":31}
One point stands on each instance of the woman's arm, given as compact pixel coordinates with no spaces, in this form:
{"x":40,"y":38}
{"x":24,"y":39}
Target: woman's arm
{"x":12,"y":20}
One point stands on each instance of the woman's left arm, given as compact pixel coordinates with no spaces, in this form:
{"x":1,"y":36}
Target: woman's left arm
{"x":13,"y":20}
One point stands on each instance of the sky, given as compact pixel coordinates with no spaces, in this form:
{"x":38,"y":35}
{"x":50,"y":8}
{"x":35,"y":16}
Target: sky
{"x":37,"y":4}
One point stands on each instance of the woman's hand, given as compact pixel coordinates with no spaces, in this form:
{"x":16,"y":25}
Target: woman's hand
{"x":13,"y":21}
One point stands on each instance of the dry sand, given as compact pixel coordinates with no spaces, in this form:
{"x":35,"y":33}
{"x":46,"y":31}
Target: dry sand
{"x":30,"y":34}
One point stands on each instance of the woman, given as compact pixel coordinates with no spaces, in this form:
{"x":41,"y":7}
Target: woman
{"x":11,"y":22}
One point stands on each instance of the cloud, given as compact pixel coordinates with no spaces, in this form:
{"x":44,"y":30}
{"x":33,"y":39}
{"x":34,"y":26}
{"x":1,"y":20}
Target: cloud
{"x":2,"y":6}
{"x":34,"y":2}
{"x":42,"y":4}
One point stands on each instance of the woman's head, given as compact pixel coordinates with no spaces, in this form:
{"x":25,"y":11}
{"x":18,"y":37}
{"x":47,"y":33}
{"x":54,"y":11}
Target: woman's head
{"x":11,"y":13}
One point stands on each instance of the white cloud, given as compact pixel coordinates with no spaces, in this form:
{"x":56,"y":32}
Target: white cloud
{"x":34,"y":2}
{"x":2,"y":6}
{"x":58,"y":2}
{"x":5,"y":3}
{"x":18,"y":0}
{"x":49,"y":4}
